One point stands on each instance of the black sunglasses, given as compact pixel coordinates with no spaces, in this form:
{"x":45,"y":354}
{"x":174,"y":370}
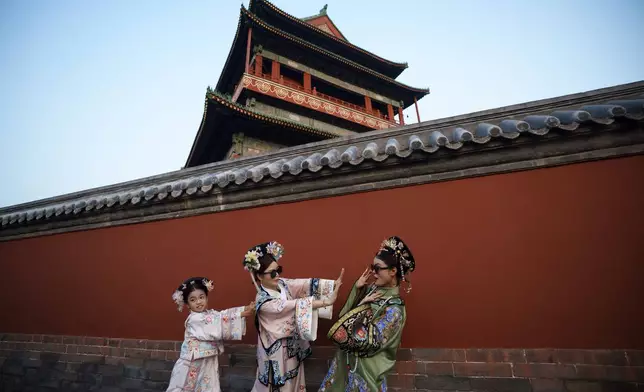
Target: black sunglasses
{"x":274,"y":273}
{"x":377,"y":268}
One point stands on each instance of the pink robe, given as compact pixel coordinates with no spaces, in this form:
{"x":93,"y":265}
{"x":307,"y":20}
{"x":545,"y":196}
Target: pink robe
{"x":286,"y":322}
{"x":197,"y":368}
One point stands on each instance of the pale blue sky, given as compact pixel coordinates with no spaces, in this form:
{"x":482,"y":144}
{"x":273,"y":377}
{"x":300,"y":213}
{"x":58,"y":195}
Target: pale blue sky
{"x":98,"y":92}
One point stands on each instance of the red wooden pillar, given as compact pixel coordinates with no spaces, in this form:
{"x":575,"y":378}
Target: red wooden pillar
{"x":307,"y":82}
{"x":250,"y":33}
{"x":259,"y":61}
{"x":275,"y":71}
{"x":417,"y":112}
{"x":401,"y":120}
{"x":367,"y":104}
{"x":390,"y":112}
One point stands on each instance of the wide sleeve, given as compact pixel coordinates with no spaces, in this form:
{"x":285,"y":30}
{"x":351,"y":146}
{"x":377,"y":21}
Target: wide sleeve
{"x":281,"y":318}
{"x":317,"y":288}
{"x":383,"y":330}
{"x":364,"y":333}
{"x":213,"y":325}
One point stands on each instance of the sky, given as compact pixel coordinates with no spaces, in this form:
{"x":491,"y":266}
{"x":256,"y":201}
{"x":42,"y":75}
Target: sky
{"x":94,"y":93}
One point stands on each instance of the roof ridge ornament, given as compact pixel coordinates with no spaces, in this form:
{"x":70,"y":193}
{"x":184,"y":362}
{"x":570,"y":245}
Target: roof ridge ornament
{"x":323,"y":10}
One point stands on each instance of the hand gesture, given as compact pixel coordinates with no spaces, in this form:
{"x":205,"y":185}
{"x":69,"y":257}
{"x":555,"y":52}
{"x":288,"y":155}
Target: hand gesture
{"x":338,"y":282}
{"x":364,"y":278}
{"x":249,"y":310}
{"x":336,"y":287}
{"x":374,"y":296}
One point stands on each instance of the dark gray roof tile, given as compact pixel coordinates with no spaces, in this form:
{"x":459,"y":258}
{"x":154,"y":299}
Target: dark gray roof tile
{"x":313,"y":162}
{"x":634,"y":108}
{"x":541,"y":124}
{"x":570,"y":119}
{"x":513,"y":128}
{"x":331,"y":158}
{"x":351,"y":154}
{"x":436,"y":140}
{"x":604,"y":114}
{"x":400,"y":143}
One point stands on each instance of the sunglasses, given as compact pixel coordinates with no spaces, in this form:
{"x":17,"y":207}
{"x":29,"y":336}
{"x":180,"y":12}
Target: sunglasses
{"x":274,"y":273}
{"x":377,"y":268}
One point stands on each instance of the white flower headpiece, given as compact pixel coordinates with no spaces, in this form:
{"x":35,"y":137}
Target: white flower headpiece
{"x":251,"y":259}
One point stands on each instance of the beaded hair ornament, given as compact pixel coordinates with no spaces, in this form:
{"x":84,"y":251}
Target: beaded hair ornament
{"x":177,"y":296}
{"x":251,"y":258}
{"x":401,"y":252}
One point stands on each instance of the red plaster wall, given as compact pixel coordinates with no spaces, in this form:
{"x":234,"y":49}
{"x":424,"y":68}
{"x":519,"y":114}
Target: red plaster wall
{"x":543,"y":258}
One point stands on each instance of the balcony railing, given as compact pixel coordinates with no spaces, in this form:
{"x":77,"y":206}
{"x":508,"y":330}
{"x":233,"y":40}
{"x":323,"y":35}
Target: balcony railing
{"x":293,"y":84}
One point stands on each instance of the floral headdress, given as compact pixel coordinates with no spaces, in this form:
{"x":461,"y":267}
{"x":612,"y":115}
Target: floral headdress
{"x":177,"y":296}
{"x":401,"y":252}
{"x":251,"y":258}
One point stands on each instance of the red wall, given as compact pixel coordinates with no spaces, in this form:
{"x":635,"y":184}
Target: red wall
{"x":543,"y":258}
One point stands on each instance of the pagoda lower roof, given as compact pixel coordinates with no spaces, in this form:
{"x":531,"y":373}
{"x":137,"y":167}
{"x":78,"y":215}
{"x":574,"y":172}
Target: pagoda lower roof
{"x":214,"y":134}
{"x":267,"y":11}
{"x":234,"y":66}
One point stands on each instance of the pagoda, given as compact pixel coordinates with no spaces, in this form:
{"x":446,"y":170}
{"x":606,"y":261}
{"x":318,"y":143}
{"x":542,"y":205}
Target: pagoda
{"x":289,"y":81}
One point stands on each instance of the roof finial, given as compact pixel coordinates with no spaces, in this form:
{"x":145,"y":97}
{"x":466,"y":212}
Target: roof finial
{"x":323,"y":10}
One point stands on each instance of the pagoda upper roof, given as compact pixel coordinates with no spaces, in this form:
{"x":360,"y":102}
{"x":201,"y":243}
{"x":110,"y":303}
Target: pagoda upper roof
{"x":308,"y":28}
{"x":320,"y":19}
{"x":212,"y":135}
{"x":233,"y":68}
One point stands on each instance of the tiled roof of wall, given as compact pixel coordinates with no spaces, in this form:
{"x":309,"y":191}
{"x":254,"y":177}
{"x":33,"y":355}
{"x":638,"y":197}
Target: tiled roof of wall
{"x":564,"y":114}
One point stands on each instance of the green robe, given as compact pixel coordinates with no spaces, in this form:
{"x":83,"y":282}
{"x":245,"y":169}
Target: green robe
{"x":366,"y":370}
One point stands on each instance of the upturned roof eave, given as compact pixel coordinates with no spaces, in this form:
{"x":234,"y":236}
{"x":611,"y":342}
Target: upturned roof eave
{"x":302,"y":21}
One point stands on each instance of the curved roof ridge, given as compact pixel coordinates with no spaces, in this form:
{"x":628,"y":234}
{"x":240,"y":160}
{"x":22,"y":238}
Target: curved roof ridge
{"x":344,"y":42}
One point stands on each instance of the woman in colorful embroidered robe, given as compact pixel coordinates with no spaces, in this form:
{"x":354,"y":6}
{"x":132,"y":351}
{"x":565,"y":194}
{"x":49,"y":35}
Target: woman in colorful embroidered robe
{"x":371,"y":322}
{"x":197,"y":368}
{"x":286,"y":317}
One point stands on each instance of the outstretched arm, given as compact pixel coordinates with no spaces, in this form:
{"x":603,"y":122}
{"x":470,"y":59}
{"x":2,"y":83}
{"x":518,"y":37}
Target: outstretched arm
{"x":213,"y":325}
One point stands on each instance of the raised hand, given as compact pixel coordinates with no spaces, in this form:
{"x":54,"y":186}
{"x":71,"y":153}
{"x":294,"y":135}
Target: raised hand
{"x":374,"y":296}
{"x":336,"y":288}
{"x":338,"y":282}
{"x":364,"y":278}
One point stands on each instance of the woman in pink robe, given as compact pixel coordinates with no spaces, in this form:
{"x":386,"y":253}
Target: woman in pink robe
{"x":286,"y":317}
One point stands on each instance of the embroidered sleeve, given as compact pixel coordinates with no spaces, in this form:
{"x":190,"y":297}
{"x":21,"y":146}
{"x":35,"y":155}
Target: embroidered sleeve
{"x":212,"y":325}
{"x":233,"y":325}
{"x":287,"y":318}
{"x":387,"y":325}
{"x":299,"y":288}
{"x":322,"y":289}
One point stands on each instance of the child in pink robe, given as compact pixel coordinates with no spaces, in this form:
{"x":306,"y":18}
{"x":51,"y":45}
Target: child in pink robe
{"x":197,"y":368}
{"x":286,"y":318}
